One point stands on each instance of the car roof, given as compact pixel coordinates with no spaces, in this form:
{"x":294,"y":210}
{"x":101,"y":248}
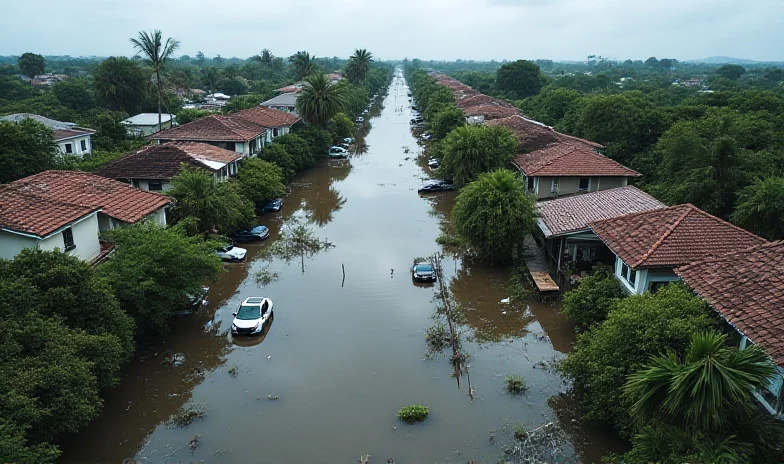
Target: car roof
{"x":253,"y":300}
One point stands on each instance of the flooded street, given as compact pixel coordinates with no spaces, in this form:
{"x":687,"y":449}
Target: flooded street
{"x":342,"y":357}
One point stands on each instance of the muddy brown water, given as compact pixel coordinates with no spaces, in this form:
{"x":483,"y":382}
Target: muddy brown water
{"x":342,"y":357}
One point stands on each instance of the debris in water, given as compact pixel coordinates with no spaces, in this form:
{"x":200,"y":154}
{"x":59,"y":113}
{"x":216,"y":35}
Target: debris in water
{"x":194,"y":442}
{"x":269,"y":357}
{"x":505,"y":301}
{"x":272,"y":397}
{"x":178,"y":359}
{"x":364,"y":459}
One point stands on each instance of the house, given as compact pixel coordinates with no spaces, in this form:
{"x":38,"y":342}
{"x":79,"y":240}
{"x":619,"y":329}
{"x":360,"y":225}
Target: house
{"x":290,"y":88}
{"x":746,"y":287}
{"x":229,"y":132}
{"x":70,"y":138}
{"x":533,"y":135}
{"x":648,"y":246}
{"x":571,"y":167}
{"x":488,"y":112}
{"x":144,"y":124}
{"x":68,"y":210}
{"x":284,"y":102}
{"x":278,"y":122}
{"x":153,"y":167}
{"x":48,"y":80}
{"x":563,"y":224}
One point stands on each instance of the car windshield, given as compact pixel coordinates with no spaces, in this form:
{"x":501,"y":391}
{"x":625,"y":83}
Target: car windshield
{"x":248,"y":312}
{"x":424,"y":268}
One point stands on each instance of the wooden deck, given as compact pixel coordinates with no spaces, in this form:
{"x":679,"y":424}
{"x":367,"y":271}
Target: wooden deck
{"x":544,"y":282}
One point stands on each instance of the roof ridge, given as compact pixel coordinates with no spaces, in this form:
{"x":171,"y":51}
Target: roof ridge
{"x":667,"y":233}
{"x":705,"y":213}
{"x":712,"y":259}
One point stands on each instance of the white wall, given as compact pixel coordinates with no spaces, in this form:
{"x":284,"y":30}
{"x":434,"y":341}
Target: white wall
{"x":76,"y":146}
{"x":645,"y":277}
{"x":158,"y":217}
{"x":145,"y":185}
{"x":11,"y":244}
{"x":85,"y":234}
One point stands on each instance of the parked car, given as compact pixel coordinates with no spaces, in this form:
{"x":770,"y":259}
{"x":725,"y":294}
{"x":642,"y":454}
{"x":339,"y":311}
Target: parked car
{"x":273,"y":206}
{"x":432,"y":163}
{"x":417,"y":120}
{"x":344,"y":146}
{"x":252,"y":234}
{"x":423,"y":272}
{"x":348,"y":140}
{"x":337,"y":152}
{"x":231,"y":253}
{"x":251,"y":316}
{"x":437,"y":186}
{"x":360,"y":120}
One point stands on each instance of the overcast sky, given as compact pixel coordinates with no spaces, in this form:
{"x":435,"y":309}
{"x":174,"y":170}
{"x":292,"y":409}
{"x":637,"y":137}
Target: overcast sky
{"x":391,"y":29}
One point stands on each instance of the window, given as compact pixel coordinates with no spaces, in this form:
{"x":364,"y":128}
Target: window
{"x":68,"y":239}
{"x":84,"y":145}
{"x":624,"y":270}
{"x":530,"y":184}
{"x":554,"y":185}
{"x":628,"y":274}
{"x":155,"y":185}
{"x":68,"y":148}
{"x":585,"y":183}
{"x":275,"y":132}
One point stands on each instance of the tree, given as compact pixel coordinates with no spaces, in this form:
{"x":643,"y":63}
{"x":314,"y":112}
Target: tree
{"x":760,"y":208}
{"x":705,"y":395}
{"x":299,"y":149}
{"x":303,"y":64}
{"x":191,"y":114}
{"x":213,"y":206}
{"x":31,"y":64}
{"x":652,"y":62}
{"x":589,"y":304}
{"x":75,"y":94}
{"x":519,"y":79}
{"x":472,"y":150}
{"x":731,"y":71}
{"x":266,"y":56}
{"x":320,"y":100}
{"x":121,"y":84}
{"x":260,"y":181}
{"x":26,"y":148}
{"x":232,"y":86}
{"x":154,"y":270}
{"x":340,"y":127}
{"x":358,"y":65}
{"x":551,"y":104}
{"x":210,"y":77}
{"x":277,"y":154}
{"x":156,"y":53}
{"x":446,"y":120}
{"x":494,"y":214}
{"x":636,"y":328}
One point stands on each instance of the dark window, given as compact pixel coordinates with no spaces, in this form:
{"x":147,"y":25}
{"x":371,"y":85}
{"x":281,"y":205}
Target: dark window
{"x":624,"y":271}
{"x":584,"y":182}
{"x":155,"y":185}
{"x":632,"y":276}
{"x":275,"y":132}
{"x":84,"y":145}
{"x":68,"y":239}
{"x":531,"y":183}
{"x":68,"y":148}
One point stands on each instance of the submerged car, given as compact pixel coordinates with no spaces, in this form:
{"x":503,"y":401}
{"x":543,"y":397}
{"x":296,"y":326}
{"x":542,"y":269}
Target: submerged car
{"x":348,"y":140}
{"x":360,"y":120}
{"x":273,"y":206}
{"x":251,"y":316}
{"x":438,"y":186}
{"x":432,"y":163}
{"x":337,"y":152}
{"x":252,"y":234}
{"x":423,"y":272}
{"x":231,"y":253}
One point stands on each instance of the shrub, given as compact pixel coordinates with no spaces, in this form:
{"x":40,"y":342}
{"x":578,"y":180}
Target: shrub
{"x":413,"y":413}
{"x":589,"y":303}
{"x":515,"y":384}
{"x":437,"y":337}
{"x":520,"y":433}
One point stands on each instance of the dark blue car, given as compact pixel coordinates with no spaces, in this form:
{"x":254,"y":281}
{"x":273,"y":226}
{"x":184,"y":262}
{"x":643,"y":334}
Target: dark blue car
{"x":252,"y":234}
{"x":423,"y":272}
{"x":273,"y":206}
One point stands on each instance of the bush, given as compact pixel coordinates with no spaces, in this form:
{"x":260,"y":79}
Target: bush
{"x":589,"y":303}
{"x":437,"y":337}
{"x":515,"y":384}
{"x":413,"y":413}
{"x":260,"y":181}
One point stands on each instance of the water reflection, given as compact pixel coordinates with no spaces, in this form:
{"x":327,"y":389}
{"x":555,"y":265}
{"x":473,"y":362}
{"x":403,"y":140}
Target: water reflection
{"x":590,"y":442}
{"x":360,"y":147}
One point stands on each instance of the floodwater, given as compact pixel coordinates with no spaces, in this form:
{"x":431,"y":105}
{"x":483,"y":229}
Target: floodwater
{"x":324,"y":383}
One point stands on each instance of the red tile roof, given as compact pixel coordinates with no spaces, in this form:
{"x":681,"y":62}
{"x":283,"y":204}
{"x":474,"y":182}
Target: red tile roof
{"x":491,"y":111}
{"x":213,"y":128}
{"x":567,"y":159}
{"x":747,"y":288}
{"x":32,"y":214}
{"x":574,"y":213}
{"x":533,"y":135}
{"x":61,"y":134}
{"x":288,"y":118}
{"x":118,"y":200}
{"x":165,"y":161}
{"x":267,"y":117}
{"x":480,"y":99}
{"x":671,"y":237}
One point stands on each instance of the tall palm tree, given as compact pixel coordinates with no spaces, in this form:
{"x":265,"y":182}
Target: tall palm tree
{"x":303,"y":64}
{"x":359,"y":65}
{"x":320,"y":100}
{"x":156,"y":53}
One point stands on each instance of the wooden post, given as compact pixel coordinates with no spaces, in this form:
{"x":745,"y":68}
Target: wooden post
{"x":344,"y":274}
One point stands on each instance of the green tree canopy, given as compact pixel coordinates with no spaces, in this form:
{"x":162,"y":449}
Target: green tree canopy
{"x":277,"y":154}
{"x":121,"y":84}
{"x":358,"y":65}
{"x":191,"y":114}
{"x":731,"y":71}
{"x":26,"y":148}
{"x":519,"y":79}
{"x":232,"y":86}
{"x":299,"y":149}
{"x":760,"y":208}
{"x":320,"y":100}
{"x":302,"y":64}
{"x":260,"y":181}
{"x":589,"y":304}
{"x":551,"y":104}
{"x":494,"y":214}
{"x":154,"y":270}
{"x":471,"y":150}
{"x":31,"y":64}
{"x":74,"y":93}
{"x":447,"y":119}
{"x":340,"y":127}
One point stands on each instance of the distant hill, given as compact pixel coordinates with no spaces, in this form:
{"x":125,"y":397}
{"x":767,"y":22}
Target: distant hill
{"x":724,"y":60}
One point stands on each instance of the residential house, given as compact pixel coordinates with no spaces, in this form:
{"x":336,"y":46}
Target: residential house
{"x":746,"y":287}
{"x":229,"y":132}
{"x":290,"y":88}
{"x":145,"y":124}
{"x":48,"y":79}
{"x":533,"y":135}
{"x":568,"y":168}
{"x":488,"y":112}
{"x":68,"y":210}
{"x":70,"y":138}
{"x":153,"y":167}
{"x":284,"y":102}
{"x":276,"y":121}
{"x":648,"y":246}
{"x":563,"y":224}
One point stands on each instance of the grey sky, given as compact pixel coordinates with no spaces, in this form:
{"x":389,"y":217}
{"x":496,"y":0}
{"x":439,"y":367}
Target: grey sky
{"x":427,"y":29}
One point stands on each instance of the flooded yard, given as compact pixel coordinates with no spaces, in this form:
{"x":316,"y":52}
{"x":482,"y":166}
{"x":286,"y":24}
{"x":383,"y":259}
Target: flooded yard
{"x":324,"y":383}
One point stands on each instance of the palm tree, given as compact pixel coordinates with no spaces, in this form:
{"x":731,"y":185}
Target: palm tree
{"x":320,"y":100}
{"x":156,"y":53}
{"x":358,"y":65}
{"x":303,"y":64}
{"x":706,"y":394}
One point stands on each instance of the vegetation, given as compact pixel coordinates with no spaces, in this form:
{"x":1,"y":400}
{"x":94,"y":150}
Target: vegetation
{"x":297,"y":241}
{"x":519,"y":79}
{"x":156,"y":53}
{"x":437,"y":337}
{"x":589,"y":304}
{"x":760,"y":208}
{"x":358,"y":65}
{"x":471,"y":150}
{"x":303,"y":64}
{"x":26,"y":148}
{"x":31,"y":64}
{"x":320,"y":100}
{"x":187,"y":415}
{"x":494,"y":214}
{"x":413,"y":413}
{"x":515,"y":384}
{"x":121,"y":84}
{"x":446,"y":120}
{"x":260,"y":181}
